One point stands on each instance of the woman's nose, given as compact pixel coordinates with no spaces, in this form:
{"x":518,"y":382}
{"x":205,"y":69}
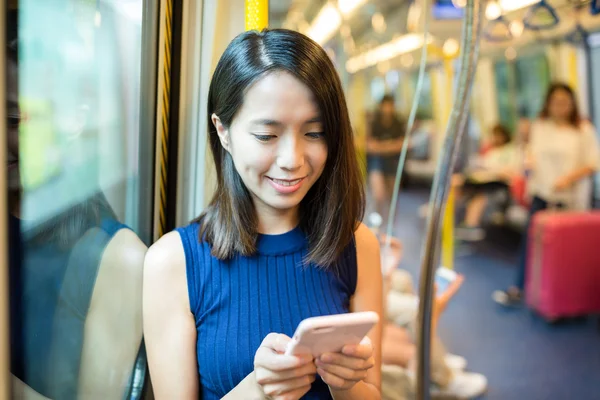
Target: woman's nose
{"x":290,"y":154}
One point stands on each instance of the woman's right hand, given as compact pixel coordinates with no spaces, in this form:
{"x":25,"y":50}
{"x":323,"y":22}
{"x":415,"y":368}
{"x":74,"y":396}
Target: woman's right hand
{"x":441,"y":300}
{"x":281,"y":376}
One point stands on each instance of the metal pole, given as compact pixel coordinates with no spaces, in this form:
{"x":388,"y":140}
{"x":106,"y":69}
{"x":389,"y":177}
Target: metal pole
{"x":455,"y":129}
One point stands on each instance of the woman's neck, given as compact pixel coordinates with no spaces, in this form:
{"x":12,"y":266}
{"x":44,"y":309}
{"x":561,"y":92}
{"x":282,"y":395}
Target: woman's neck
{"x":560,"y":121}
{"x":274,"y":222}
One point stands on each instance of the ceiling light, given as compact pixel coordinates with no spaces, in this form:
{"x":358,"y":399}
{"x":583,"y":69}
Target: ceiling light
{"x":493,"y":11}
{"x":459,"y":3}
{"x":516,"y":28}
{"x":512,"y":5}
{"x":378,"y":23}
{"x":413,"y":18}
{"x":325,"y":24}
{"x":347,"y":7}
{"x":451,"y":47}
{"x":402,"y":45}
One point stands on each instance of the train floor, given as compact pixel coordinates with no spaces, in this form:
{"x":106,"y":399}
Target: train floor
{"x":523,"y":356}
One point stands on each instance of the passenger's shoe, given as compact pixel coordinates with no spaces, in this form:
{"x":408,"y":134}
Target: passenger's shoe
{"x":455,"y":363}
{"x":464,"y":385}
{"x":470,"y":234}
{"x":508,"y":298}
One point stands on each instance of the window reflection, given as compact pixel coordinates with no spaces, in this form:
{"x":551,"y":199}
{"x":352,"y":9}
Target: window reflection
{"x":73,"y":95}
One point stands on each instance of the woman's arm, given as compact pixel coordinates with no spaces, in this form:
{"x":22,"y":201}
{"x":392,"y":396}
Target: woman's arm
{"x":169,"y":326}
{"x":21,"y":391}
{"x":590,"y":159}
{"x":367,"y":297}
{"x":113,"y":327}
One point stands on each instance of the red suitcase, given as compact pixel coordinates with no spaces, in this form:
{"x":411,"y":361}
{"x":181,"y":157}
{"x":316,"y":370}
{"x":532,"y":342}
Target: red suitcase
{"x":563,"y":265}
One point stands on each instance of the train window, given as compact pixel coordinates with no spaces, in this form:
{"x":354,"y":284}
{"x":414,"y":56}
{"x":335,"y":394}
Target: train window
{"x":532,"y":78}
{"x":521,"y":87}
{"x":505,"y":89}
{"x":425,"y":110}
{"x":77,"y":197}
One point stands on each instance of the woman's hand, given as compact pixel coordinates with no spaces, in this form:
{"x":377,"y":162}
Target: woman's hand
{"x":341,"y":371}
{"x":562,"y":184}
{"x":280,"y":376}
{"x":390,"y":257}
{"x":441,"y":300}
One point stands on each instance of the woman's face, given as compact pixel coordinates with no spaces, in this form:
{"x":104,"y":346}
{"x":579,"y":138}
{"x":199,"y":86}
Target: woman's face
{"x":387,"y":109}
{"x":277,"y":142}
{"x":561,"y":105}
{"x":498,"y":138}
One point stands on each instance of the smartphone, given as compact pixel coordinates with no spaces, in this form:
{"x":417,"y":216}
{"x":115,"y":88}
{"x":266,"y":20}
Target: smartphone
{"x":443,"y":278}
{"x":329,"y":334}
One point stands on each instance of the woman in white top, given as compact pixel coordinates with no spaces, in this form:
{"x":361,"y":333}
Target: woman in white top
{"x":563,"y":152}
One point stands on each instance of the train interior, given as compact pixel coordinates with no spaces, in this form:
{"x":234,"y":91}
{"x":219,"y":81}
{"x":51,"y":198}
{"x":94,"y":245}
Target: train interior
{"x":107,"y":130}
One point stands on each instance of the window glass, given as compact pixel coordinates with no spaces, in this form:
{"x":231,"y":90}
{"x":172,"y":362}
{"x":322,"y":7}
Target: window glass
{"x":76,"y":158}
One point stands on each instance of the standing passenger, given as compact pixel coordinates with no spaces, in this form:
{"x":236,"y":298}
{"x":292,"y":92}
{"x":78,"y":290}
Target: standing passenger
{"x":280,"y":241}
{"x":562,"y":152}
{"x":385,"y":137}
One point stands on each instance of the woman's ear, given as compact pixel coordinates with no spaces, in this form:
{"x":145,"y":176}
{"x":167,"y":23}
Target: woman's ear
{"x":221,"y":131}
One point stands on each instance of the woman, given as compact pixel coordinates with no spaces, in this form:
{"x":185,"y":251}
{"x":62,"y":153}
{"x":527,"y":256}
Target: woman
{"x":385,"y":137}
{"x":279,"y":242}
{"x":490,"y":174}
{"x":563,"y":152}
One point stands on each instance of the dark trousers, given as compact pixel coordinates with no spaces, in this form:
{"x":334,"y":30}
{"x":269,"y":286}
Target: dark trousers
{"x":537,"y":204}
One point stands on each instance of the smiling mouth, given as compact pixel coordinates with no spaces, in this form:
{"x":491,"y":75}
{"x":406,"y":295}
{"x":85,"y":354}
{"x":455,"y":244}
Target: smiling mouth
{"x":286,"y":182}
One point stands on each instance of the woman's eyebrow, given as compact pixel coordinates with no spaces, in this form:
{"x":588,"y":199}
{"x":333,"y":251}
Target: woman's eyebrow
{"x":266,"y":122}
{"x":314,"y":120}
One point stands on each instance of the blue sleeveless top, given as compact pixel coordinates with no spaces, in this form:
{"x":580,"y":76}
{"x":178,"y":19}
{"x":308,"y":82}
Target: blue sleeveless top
{"x":237,"y":303}
{"x":51,"y":291}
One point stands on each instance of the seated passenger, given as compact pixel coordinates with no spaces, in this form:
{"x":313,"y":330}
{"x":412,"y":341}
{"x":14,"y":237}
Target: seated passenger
{"x":399,"y":346}
{"x":490,"y":174}
{"x":280,"y":241}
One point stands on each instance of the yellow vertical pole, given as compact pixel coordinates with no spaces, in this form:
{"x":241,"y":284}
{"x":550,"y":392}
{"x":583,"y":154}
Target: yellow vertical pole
{"x":448,"y":232}
{"x":448,"y":222}
{"x":257,"y":14}
{"x":572,"y":69}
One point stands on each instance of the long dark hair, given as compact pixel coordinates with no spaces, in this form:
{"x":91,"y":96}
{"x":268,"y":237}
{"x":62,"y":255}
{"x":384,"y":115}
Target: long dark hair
{"x":502,"y":131}
{"x":574,"y":119}
{"x":334,"y":206}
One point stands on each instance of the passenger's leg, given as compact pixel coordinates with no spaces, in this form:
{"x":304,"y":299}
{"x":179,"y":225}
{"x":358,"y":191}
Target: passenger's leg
{"x":398,"y":348}
{"x":475,"y":210}
{"x":378,"y":191}
{"x":513,"y":295}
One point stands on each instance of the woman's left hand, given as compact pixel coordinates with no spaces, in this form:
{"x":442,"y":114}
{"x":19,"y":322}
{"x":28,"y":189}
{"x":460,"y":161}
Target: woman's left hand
{"x":562,"y":184}
{"x":341,"y":371}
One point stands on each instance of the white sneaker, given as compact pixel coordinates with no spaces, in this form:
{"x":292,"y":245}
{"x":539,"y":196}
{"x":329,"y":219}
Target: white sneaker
{"x":464,"y":385}
{"x":455,"y":363}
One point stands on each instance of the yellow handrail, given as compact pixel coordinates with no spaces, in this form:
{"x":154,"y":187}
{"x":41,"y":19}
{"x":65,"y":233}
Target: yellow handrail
{"x":257,"y":14}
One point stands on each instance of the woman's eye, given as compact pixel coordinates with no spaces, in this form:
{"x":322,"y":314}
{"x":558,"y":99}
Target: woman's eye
{"x":315,"y":135}
{"x":264,"y":138}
